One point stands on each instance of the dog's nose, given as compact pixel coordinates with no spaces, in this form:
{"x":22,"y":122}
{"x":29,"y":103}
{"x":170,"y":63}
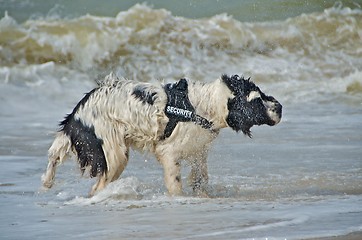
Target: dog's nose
{"x":275,"y":113}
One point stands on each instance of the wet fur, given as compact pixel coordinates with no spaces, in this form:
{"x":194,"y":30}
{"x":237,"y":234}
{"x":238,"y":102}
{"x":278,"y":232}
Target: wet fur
{"x":122,"y":114}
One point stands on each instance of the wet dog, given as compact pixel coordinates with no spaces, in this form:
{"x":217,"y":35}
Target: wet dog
{"x":176,"y":122}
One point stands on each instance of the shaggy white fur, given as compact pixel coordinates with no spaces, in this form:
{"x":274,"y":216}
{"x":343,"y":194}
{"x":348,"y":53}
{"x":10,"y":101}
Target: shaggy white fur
{"x":121,"y":119}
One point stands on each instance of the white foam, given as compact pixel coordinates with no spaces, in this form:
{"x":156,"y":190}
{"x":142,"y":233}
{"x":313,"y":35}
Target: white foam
{"x":120,"y":190}
{"x":7,"y":22}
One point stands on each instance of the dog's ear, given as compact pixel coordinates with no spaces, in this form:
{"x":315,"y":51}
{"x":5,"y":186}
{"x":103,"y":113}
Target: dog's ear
{"x":236,"y":84}
{"x":237,"y":118}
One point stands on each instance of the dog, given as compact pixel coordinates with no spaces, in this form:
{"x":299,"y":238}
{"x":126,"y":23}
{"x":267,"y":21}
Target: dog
{"x":177,"y":121}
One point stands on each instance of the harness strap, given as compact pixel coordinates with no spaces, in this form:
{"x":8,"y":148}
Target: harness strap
{"x":180,"y":109}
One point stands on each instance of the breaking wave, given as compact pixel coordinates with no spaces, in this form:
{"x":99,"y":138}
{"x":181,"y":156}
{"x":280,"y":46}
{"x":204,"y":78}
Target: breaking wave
{"x":144,"y":43}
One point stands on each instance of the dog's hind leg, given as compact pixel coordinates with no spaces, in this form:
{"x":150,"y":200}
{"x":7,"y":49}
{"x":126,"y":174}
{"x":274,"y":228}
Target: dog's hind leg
{"x":116,"y":154}
{"x":99,"y":185}
{"x":57,"y":154}
{"x":120,"y":165}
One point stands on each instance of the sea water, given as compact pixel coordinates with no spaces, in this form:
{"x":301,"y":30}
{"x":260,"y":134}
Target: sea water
{"x":299,"y":179}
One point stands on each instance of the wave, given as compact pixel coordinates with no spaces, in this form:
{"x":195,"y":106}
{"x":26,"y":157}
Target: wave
{"x":305,"y":57}
{"x":142,"y":36}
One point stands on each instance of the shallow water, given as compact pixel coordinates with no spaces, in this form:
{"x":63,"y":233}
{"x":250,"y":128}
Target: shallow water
{"x":299,"y":179}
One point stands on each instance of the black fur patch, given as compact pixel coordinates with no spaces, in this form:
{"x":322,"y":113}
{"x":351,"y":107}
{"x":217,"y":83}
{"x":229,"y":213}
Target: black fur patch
{"x":178,"y":178}
{"x":239,"y":85}
{"x":141,"y":93}
{"x":80,"y":104}
{"x":84,"y":140}
{"x":243,"y":114}
{"x":84,"y":100}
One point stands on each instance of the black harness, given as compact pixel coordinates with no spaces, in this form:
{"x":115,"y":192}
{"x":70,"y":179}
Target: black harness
{"x":180,"y":109}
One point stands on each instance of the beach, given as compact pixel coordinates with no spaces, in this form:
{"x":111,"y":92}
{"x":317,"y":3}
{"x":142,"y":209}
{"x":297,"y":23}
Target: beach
{"x":300,"y":179}
{"x":351,"y":236}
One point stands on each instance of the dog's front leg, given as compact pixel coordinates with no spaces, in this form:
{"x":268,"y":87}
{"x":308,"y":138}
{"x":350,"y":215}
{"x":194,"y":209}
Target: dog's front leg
{"x":172,"y":175}
{"x":199,"y":176}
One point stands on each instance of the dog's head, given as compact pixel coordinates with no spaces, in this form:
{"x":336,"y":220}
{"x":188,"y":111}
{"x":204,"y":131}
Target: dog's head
{"x":250,"y":106}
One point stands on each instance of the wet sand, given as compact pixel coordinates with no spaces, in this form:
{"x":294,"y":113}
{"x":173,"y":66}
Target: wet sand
{"x":351,"y":236}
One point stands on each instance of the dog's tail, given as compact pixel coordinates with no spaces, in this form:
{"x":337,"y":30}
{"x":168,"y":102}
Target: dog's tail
{"x":57,"y":153}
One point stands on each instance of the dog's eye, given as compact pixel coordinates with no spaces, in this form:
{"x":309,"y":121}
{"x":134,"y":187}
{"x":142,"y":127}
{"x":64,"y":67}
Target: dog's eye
{"x":253,"y":95}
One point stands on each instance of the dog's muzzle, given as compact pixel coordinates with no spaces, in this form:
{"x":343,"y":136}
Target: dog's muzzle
{"x":274,"y":110}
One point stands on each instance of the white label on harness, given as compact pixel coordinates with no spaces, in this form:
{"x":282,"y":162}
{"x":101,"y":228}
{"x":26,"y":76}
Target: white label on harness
{"x":179,"y":111}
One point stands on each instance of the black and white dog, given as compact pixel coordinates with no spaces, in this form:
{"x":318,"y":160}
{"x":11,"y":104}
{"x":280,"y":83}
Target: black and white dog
{"x":176,"y":121}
